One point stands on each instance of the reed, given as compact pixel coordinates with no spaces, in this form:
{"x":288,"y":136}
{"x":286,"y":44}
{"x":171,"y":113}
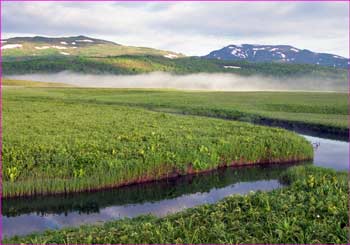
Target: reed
{"x":52,"y":144}
{"x":312,"y":209}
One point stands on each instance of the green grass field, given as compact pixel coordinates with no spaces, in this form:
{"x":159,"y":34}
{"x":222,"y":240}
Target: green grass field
{"x":23,"y":83}
{"x":73,"y":139}
{"x":312,"y":209}
{"x":63,"y":140}
{"x":323,"y":111}
{"x":69,"y":136}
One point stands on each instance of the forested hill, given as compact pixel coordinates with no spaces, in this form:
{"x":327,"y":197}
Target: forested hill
{"x":135,"y":64}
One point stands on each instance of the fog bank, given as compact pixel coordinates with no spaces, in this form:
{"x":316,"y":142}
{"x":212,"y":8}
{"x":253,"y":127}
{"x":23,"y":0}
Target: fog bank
{"x":199,"y":81}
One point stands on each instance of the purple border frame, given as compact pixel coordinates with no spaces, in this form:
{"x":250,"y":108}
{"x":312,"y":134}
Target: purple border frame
{"x":213,"y":1}
{"x":1,"y":124}
{"x":175,"y":1}
{"x":348,"y":117}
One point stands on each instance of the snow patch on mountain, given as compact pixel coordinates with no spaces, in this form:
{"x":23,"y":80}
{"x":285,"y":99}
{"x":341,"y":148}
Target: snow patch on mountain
{"x":256,"y":49}
{"x":282,"y":55}
{"x":238,"y":52}
{"x":58,"y":47}
{"x":232,"y":67}
{"x":170,"y":56}
{"x":85,"y":41}
{"x":42,"y":47}
{"x":11,"y":46}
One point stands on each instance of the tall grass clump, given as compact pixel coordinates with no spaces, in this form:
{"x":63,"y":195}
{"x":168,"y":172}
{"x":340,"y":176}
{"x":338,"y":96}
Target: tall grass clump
{"x":52,"y":144}
{"x":312,"y":209}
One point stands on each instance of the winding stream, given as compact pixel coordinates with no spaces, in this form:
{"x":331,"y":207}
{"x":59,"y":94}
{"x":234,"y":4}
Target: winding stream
{"x":26,"y":215}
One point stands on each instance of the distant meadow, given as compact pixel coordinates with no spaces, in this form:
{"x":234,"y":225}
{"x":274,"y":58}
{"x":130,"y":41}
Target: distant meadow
{"x":199,"y":81}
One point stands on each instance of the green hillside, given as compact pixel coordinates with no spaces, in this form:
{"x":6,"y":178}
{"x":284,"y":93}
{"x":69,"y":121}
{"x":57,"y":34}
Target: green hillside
{"x":19,"y":48}
{"x":135,"y":64}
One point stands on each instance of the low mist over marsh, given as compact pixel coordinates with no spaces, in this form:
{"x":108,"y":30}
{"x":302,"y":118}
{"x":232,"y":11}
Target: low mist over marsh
{"x":200,"y":81}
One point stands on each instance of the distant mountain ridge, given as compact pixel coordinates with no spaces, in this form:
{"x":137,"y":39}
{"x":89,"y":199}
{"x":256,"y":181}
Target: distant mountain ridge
{"x":74,"y":40}
{"x":83,"y":54}
{"x":33,"y":47}
{"x":277,"y":53}
{"x":82,"y":46}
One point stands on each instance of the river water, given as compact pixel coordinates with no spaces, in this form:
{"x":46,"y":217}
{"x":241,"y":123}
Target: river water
{"x":26,"y":215}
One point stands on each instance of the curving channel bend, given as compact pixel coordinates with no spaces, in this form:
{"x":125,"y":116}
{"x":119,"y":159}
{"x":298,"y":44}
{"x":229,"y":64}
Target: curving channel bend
{"x":26,"y":215}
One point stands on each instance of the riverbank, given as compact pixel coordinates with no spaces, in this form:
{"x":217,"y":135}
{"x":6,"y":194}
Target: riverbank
{"x":147,"y":193}
{"x":317,"y":111}
{"x":75,"y":139}
{"x":312,"y":209}
{"x":71,"y":147}
{"x":310,"y":128}
{"x":70,"y":186}
{"x":23,"y":216}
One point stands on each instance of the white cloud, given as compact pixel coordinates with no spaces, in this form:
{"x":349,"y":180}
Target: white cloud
{"x":194,"y":28}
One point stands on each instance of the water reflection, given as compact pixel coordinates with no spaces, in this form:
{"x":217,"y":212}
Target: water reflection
{"x":22,"y":216}
{"x":330,"y":153}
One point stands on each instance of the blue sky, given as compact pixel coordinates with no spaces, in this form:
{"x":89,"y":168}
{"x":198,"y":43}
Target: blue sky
{"x":193,"y":28}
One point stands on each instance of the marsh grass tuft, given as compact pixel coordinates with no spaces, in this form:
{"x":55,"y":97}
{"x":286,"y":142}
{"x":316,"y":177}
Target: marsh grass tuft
{"x":313,"y":209}
{"x":52,"y":144}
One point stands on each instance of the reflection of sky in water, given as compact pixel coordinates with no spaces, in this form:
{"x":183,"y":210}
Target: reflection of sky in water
{"x":28,"y":223}
{"x":330,"y":153}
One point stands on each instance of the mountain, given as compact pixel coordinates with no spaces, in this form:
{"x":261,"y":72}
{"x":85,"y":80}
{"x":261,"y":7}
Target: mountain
{"x":277,"y":53}
{"x":76,"y":41}
{"x":33,"y":47}
{"x":82,"y":54}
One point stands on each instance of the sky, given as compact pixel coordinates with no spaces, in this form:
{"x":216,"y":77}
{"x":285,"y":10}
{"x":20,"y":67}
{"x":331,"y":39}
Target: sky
{"x":191,"y":28}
